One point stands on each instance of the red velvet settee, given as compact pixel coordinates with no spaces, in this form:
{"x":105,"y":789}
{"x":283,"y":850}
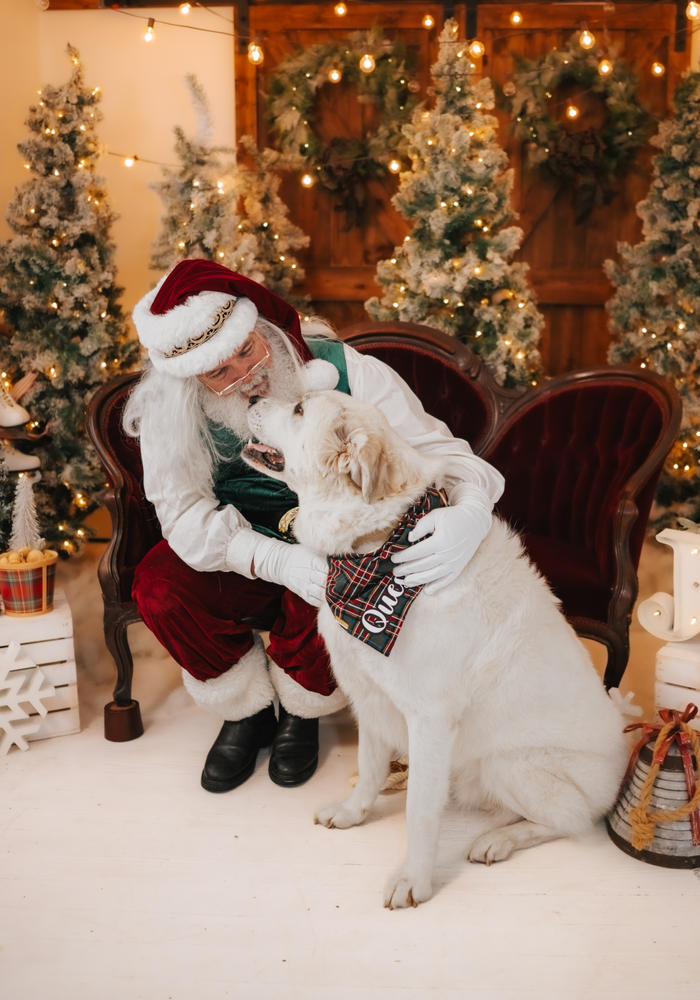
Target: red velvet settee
{"x":581,"y":455}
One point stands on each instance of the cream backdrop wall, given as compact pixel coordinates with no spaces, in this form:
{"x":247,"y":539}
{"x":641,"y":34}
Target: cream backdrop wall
{"x":144,"y":97}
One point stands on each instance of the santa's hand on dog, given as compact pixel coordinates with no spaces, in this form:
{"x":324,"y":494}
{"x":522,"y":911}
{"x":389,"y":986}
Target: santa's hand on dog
{"x":443,"y":542}
{"x":292,"y":566}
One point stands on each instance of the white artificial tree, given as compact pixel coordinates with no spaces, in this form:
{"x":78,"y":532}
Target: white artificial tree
{"x":655,"y":310}
{"x":455,"y":269}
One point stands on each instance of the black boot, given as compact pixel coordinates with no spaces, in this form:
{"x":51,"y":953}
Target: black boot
{"x":232,"y":757}
{"x":294,"y":756}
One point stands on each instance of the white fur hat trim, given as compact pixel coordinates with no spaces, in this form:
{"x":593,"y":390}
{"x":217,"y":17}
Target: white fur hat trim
{"x":319,"y":374}
{"x":178,"y":330}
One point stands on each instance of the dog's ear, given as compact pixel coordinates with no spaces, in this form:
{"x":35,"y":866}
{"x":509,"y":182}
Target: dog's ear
{"x":374,"y":468}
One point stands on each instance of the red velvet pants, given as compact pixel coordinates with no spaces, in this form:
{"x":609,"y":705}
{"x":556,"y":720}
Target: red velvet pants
{"x":206,"y":620}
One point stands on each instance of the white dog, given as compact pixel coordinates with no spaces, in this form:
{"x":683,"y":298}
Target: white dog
{"x":487,"y":688}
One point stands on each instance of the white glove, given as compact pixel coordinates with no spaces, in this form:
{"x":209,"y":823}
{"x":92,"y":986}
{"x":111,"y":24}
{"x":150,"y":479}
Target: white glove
{"x":292,"y":566}
{"x":450,"y":537}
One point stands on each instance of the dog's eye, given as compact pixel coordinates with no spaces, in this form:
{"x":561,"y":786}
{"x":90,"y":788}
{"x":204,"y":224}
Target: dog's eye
{"x":299,"y":409}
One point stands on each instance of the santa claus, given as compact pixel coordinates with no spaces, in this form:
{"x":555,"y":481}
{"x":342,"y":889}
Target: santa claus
{"x":228,"y":564}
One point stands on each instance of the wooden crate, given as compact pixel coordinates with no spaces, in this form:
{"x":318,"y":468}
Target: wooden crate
{"x":46,"y":642}
{"x":678,"y":676}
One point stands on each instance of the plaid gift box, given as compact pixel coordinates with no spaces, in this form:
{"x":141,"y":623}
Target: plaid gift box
{"x":28,"y":588}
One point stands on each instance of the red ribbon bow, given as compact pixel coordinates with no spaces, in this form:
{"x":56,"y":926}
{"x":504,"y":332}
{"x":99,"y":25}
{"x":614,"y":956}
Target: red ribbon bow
{"x":678,"y":733}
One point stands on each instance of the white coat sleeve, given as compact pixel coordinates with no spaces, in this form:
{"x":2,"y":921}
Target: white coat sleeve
{"x":206,"y":538}
{"x":465,"y":473}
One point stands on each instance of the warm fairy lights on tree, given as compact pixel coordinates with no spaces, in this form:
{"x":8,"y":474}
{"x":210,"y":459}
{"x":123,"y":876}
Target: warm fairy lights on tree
{"x":61,"y":301}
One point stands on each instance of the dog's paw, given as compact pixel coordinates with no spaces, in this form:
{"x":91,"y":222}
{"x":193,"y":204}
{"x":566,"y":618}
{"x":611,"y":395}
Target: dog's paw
{"x":339,"y":815}
{"x":405,"y":888}
{"x":495,"y":845}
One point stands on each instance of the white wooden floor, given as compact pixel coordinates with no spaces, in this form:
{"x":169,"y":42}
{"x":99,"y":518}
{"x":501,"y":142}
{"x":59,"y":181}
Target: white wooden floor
{"x":121,"y":879}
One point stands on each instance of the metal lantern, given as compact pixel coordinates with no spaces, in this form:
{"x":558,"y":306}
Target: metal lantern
{"x":656,"y":816}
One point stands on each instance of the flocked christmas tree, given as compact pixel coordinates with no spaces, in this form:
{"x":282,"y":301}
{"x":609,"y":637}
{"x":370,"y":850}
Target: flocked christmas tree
{"x":655,"y":311}
{"x":61,"y":303}
{"x":455,"y":270}
{"x":228,"y":211}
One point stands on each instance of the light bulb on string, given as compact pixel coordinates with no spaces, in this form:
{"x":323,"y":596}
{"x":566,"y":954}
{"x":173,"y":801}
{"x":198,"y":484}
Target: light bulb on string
{"x":255,"y":54}
{"x":428,"y":21}
{"x":335,"y":75}
{"x":586,"y":39}
{"x":692,"y":11}
{"x":149,"y":33}
{"x":129,"y":161}
{"x":307,"y":180}
{"x":572,"y":112}
{"x":185,"y":8}
{"x":605,"y":67}
{"x":394,"y":165}
{"x":476,"y":49}
{"x":658,"y":69}
{"x":340,"y":9}
{"x":516,"y":18}
{"x":367,"y":63}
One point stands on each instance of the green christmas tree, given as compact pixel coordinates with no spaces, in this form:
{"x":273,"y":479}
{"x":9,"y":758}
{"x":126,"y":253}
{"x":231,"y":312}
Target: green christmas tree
{"x":61,"y":303}
{"x":224,"y":210}
{"x":655,"y":311}
{"x":455,"y":269}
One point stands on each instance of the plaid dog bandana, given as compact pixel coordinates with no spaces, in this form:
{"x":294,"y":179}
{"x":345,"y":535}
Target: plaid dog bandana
{"x":361,"y":590}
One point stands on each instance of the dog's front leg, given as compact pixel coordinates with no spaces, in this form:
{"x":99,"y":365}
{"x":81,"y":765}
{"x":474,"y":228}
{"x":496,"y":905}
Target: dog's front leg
{"x":373,"y":760}
{"x":429,"y":755}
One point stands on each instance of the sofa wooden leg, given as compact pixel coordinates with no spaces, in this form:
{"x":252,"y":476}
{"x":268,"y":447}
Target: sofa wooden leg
{"x":123,"y":721}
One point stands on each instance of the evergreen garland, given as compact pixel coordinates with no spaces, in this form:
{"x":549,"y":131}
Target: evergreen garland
{"x":344,"y":165}
{"x":588,"y":160}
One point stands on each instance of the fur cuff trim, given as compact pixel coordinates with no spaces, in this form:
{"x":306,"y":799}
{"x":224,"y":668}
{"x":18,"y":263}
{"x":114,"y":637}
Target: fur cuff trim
{"x":243,"y":690}
{"x":298,"y":701}
{"x":182,"y":325}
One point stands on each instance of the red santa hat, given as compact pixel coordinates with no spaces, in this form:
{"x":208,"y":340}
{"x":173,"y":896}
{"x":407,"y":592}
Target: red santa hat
{"x":201,"y":313}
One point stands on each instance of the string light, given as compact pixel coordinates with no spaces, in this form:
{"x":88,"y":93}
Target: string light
{"x":394,"y":166}
{"x":428,"y":21}
{"x":605,"y":67}
{"x":307,"y":180}
{"x":657,"y":69}
{"x":335,"y":75}
{"x":255,"y":54}
{"x":586,"y":39}
{"x":516,"y":18}
{"x":129,"y":161}
{"x":692,"y":11}
{"x":476,"y":49}
{"x":149,"y":33}
{"x":367,"y":63}
{"x":340,"y":9}
{"x":572,"y":112}
{"x":185,"y":8}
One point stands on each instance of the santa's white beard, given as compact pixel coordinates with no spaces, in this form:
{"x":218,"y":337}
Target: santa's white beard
{"x":279,"y":379}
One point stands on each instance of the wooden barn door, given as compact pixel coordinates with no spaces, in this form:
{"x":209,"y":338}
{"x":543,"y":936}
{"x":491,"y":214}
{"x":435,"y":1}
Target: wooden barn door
{"x":565,"y":257}
{"x":340,"y":262}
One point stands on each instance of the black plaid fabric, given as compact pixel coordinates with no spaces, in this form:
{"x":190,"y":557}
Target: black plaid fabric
{"x":361,"y":590}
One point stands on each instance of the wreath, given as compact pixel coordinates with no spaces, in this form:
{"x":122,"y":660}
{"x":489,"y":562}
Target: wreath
{"x":344,"y":165}
{"x":589,"y":158}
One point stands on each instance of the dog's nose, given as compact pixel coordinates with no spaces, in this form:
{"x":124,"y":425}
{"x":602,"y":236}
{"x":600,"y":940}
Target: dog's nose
{"x":253,"y":400}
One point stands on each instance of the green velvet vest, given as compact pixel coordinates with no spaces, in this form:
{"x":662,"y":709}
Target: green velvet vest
{"x":260,"y":499}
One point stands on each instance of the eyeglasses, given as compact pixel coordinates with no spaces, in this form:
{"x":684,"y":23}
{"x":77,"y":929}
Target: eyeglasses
{"x":213,"y":379}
